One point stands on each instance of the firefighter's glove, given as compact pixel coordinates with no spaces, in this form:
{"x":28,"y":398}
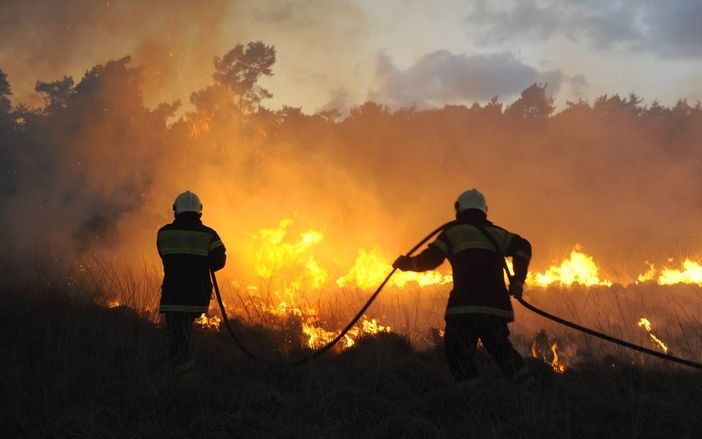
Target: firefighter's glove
{"x":403,"y":263}
{"x":516,"y":288}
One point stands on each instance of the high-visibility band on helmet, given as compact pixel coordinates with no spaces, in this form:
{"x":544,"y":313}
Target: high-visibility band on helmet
{"x":183,"y":308}
{"x":457,"y":310}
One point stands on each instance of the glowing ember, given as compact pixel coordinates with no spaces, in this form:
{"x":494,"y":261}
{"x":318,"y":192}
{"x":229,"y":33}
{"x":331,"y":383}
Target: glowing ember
{"x":113,"y":303}
{"x":646,"y":324}
{"x":208,"y":322}
{"x":579,"y":268}
{"x":369,"y":270}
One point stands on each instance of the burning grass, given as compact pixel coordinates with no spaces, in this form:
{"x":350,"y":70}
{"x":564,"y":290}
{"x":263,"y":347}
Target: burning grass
{"x":75,"y":366}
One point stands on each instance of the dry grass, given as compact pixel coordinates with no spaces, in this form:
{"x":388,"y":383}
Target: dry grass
{"x":74,"y":368}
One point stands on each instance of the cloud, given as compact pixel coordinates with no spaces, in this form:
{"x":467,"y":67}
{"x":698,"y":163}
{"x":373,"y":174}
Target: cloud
{"x":443,"y":77}
{"x":671,"y":31}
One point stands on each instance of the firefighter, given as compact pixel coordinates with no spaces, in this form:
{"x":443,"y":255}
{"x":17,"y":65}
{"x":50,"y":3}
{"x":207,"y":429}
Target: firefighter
{"x":189,"y":250}
{"x":479,"y":306}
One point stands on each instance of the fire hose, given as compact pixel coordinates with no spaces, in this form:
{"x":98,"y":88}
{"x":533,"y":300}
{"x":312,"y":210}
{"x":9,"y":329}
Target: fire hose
{"x":320,"y":351}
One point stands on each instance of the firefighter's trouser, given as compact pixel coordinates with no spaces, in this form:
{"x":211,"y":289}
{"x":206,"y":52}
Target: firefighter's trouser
{"x":179,"y":327}
{"x":460,"y":342}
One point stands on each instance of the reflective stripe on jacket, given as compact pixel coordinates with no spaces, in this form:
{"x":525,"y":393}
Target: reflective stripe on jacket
{"x":478,"y":282}
{"x":188,"y":250}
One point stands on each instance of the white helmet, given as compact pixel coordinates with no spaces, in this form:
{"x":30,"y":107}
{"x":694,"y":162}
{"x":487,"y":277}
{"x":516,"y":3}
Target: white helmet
{"x":471,"y":199}
{"x":187,"y":202}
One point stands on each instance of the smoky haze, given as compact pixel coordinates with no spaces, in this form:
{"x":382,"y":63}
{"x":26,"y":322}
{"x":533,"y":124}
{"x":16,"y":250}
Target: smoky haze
{"x":94,"y":169}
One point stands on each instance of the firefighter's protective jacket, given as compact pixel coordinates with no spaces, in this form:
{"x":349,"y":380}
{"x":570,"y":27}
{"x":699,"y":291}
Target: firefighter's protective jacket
{"x":478,"y":279}
{"x":188,"y":250}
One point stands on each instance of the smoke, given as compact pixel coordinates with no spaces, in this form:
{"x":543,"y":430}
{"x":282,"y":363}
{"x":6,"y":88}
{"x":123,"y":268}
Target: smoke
{"x":98,"y":171}
{"x":174,"y":41}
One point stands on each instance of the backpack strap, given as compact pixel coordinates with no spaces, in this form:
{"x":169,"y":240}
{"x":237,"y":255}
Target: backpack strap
{"x":498,"y":250}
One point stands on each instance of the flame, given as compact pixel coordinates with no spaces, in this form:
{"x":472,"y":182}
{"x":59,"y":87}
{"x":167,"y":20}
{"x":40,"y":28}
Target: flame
{"x":369,"y":270}
{"x":557,"y":365}
{"x":198,"y":127}
{"x":646,"y":324}
{"x":113,"y":303}
{"x":649,"y":275}
{"x":546,"y":349}
{"x":208,"y":322}
{"x":275,"y":256}
{"x":318,"y":337}
{"x":691,"y":274}
{"x":579,"y":268}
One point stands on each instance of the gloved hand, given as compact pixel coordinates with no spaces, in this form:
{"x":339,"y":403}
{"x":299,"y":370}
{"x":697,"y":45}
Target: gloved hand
{"x":516,"y":288}
{"x":403,"y":263}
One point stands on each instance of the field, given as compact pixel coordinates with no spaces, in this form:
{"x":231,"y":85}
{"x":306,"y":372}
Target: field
{"x":74,"y":367}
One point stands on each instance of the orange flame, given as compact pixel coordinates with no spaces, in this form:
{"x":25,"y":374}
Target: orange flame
{"x":691,"y":274}
{"x":646,"y":324}
{"x":546,"y":349}
{"x":369,"y":270}
{"x":579,"y":268}
{"x":208,"y":322}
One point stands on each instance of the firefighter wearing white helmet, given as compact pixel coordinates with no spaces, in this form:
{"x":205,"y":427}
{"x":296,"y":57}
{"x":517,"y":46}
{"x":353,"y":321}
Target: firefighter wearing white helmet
{"x":188,"y":250}
{"x":479,"y":307}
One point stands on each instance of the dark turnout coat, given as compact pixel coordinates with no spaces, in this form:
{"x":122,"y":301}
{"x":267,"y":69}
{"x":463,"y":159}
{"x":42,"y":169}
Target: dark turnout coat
{"x":189,"y":250}
{"x":478,"y":279}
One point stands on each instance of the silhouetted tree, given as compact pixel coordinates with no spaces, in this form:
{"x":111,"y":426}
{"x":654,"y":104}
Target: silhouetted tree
{"x":615,"y":104}
{"x":235,"y":89}
{"x":532,"y":103}
{"x":493,"y":108}
{"x":240,"y":69}
{"x":5,"y":93}
{"x":56,"y":93}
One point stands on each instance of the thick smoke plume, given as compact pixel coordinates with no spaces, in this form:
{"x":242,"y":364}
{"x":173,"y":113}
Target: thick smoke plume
{"x":95,"y":169}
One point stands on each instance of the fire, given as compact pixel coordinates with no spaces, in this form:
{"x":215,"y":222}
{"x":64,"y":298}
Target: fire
{"x":318,"y":337}
{"x":691,"y":274}
{"x":649,"y":275}
{"x":369,"y":270}
{"x":208,"y":322}
{"x":579,"y":268}
{"x":646,"y":324}
{"x":197,"y":128}
{"x":114,"y":303}
{"x":276,"y":256}
{"x":547,"y":349}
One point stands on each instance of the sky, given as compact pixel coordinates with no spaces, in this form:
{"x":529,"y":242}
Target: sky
{"x":398,"y":52}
